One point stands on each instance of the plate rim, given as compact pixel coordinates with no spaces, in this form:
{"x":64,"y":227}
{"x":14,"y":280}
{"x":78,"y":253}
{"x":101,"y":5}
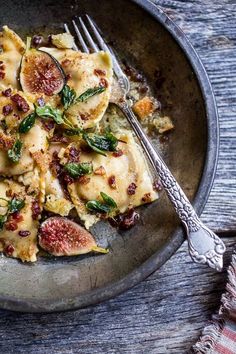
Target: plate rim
{"x":161,"y":256}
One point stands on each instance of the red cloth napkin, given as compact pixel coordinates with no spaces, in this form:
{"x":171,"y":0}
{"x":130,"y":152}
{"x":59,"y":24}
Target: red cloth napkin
{"x":220,"y":336}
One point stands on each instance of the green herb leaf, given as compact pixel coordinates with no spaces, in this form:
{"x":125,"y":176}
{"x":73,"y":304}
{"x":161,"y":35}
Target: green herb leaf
{"x":68,"y":96}
{"x":108,"y":200}
{"x":12,"y":206}
{"x":98,"y":207}
{"x":101,"y":143}
{"x":106,"y":207}
{"x":78,"y":169}
{"x":73,"y":131}
{"x":14,"y":153}
{"x":15,"y":205}
{"x":49,"y":112}
{"x":27,"y":123}
{"x":90,"y":93}
{"x":3,"y":219}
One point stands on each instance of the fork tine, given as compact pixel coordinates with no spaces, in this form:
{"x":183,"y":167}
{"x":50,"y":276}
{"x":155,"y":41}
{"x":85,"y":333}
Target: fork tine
{"x":80,"y":38}
{"x":116,"y":66}
{"x":101,"y":42}
{"x":68,"y":31}
{"x":88,"y":37}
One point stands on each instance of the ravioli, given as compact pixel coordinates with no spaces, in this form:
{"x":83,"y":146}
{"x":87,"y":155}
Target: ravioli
{"x":11,"y":241}
{"x":86,"y":71}
{"x":39,"y":175}
{"x":12,"y":48}
{"x":35,"y":140}
{"x":128,"y":170}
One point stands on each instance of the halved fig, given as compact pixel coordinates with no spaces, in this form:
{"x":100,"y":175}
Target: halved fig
{"x":60,"y":236}
{"x":41,"y":73}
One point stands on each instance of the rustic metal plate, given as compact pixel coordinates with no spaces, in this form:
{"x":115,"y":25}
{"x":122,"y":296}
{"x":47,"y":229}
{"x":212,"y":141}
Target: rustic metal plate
{"x":143,"y":34}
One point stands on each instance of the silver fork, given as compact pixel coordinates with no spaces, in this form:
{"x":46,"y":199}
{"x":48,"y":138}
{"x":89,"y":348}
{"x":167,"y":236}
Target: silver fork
{"x":204,"y":245}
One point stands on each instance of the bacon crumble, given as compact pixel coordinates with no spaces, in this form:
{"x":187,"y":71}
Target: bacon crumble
{"x":99,"y":72}
{"x":7,"y":109}
{"x":147,"y":198}
{"x":83,"y":180}
{"x":112,"y":182}
{"x":103,"y":82}
{"x":24,"y":233}
{"x":48,"y":124}
{"x":7,"y":92}
{"x":117,"y":153}
{"x":125,"y":221}
{"x":84,"y":117}
{"x":20,"y":102}
{"x":131,"y":189}
{"x":100,"y":171}
{"x":74,"y":154}
{"x":9,"y":250}
{"x":36,"y":210}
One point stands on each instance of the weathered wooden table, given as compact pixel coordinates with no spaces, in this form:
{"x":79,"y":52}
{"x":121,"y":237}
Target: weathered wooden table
{"x":166,"y":312}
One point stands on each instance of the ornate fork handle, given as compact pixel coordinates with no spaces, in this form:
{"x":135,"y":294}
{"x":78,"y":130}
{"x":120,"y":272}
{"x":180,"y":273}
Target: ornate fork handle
{"x":204,"y":245}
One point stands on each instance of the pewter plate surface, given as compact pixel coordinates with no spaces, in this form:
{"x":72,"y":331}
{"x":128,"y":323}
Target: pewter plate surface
{"x":143,"y":37}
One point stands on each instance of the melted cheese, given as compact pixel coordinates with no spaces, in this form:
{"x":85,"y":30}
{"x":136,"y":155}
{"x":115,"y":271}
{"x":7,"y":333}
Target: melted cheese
{"x":129,"y":168}
{"x":84,"y":74}
{"x":25,"y":248}
{"x":12,"y":49}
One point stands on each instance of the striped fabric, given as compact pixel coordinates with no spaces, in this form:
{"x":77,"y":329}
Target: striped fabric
{"x":226,"y":343}
{"x":220,"y":336}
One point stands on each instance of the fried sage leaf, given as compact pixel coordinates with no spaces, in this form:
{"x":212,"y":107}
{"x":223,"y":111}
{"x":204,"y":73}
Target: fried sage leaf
{"x":108,"y":200}
{"x":27,"y":123}
{"x":15,"y":205}
{"x":90,"y":93}
{"x":101,"y":143}
{"x":106,"y":207}
{"x":49,"y":112}
{"x":98,"y":207}
{"x":12,"y":206}
{"x":68,"y":96}
{"x":14,"y":153}
{"x":78,"y":169}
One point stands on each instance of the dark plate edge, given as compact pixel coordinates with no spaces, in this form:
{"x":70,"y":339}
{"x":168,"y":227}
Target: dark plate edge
{"x":160,"y":257}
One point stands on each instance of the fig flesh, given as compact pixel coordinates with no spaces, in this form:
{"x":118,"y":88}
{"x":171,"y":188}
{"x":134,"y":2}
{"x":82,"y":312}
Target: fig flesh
{"x":60,"y":236}
{"x":40,"y":73}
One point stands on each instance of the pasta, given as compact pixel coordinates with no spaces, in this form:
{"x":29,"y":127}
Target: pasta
{"x":62,"y":150}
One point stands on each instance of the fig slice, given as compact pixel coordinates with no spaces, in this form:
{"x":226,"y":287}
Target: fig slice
{"x":60,"y":236}
{"x":40,"y":73}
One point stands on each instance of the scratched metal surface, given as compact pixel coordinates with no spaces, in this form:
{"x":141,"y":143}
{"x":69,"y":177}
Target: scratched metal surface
{"x":166,"y":312}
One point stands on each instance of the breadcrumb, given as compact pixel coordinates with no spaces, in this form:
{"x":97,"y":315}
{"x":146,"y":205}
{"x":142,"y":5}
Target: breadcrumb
{"x":144,"y":107}
{"x":163,"y":124}
{"x":63,"y":40}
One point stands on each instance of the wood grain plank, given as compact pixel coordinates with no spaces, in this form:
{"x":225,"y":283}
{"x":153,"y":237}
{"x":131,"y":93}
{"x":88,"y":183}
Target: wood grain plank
{"x":165,"y":313}
{"x":211,"y":27}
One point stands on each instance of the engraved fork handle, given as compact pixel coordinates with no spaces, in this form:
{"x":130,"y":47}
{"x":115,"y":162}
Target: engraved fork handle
{"x":204,"y":245}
